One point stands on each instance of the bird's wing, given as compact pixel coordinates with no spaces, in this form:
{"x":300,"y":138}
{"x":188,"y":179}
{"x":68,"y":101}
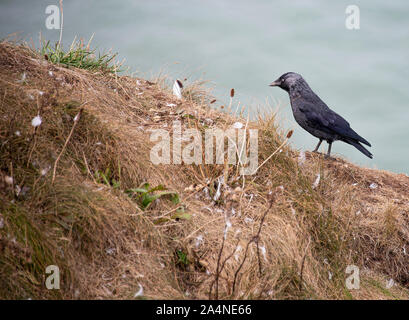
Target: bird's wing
{"x":324,"y":119}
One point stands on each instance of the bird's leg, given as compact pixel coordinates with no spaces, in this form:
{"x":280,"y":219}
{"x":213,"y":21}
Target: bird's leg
{"x":328,"y":155}
{"x":318,"y":145}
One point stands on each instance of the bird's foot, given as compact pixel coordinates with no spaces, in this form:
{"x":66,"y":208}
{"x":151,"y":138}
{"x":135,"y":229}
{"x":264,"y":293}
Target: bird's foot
{"x":328,"y":157}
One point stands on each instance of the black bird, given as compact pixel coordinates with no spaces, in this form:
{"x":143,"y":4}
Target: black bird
{"x":312,"y":114}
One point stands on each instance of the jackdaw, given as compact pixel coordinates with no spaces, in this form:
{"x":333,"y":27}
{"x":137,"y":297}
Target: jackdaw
{"x":313,"y":115}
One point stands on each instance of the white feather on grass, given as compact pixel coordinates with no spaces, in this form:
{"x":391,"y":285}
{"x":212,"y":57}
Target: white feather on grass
{"x":248,"y":220}
{"x":317,"y":181}
{"x":227,"y":227}
{"x":373,"y":185}
{"x":263,"y":251}
{"x":177,"y":89}
{"x":237,"y":125}
{"x":390,"y":283}
{"x":140,"y":291}
{"x":36,"y":121}
{"x":8,"y":180}
{"x":23,"y":78}
{"x":198,"y":241}
{"x":236,"y":253}
{"x":218,"y":191}
{"x":301,"y":158}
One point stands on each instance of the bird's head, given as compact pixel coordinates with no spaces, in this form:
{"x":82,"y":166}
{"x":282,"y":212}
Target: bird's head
{"x":286,"y":81}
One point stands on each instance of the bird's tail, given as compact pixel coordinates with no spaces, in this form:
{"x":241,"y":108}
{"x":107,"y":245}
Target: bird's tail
{"x":364,"y":141}
{"x":360,"y":147}
{"x":355,"y":136}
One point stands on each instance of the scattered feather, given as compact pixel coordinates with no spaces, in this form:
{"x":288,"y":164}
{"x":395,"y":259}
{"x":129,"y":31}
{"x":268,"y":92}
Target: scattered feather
{"x":36,"y":121}
{"x":171,"y":105}
{"x":218,"y":191}
{"x":373,"y":185}
{"x":140,"y":291}
{"x":45,"y":170}
{"x":77,"y":116}
{"x":8,"y":180}
{"x":199,"y":241}
{"x":236,"y":254}
{"x":23,"y":78}
{"x":251,"y":196}
{"x":237,"y":125}
{"x":21,"y":192}
{"x":110,"y":251}
{"x":390,"y":283}
{"x":248,"y":220}
{"x":317,"y":181}
{"x":301,"y":158}
{"x":177,"y":89}
{"x":263,"y":251}
{"x":206,"y":192}
{"x":208,"y":121}
{"x":227,"y":227}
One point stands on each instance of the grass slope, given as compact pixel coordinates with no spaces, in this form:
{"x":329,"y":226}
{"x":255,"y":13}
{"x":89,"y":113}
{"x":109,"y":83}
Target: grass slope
{"x":114,"y":223}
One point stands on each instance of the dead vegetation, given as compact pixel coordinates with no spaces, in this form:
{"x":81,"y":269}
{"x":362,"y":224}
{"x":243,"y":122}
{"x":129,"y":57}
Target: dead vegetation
{"x":288,"y":232}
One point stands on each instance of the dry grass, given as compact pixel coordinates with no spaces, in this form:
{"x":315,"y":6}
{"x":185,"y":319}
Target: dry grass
{"x":107,"y":246}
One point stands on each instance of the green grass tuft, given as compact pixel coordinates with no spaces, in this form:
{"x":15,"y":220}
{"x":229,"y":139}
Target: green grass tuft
{"x":79,"y":56}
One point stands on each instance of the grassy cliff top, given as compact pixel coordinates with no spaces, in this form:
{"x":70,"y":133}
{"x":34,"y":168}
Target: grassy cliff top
{"x":79,"y":191}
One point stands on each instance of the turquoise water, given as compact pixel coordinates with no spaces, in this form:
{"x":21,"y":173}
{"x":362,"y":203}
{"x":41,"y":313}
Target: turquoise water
{"x":361,"y":74}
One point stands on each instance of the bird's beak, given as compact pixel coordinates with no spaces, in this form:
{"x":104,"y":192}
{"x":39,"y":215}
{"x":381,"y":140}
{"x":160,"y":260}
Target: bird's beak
{"x":275,"y":83}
